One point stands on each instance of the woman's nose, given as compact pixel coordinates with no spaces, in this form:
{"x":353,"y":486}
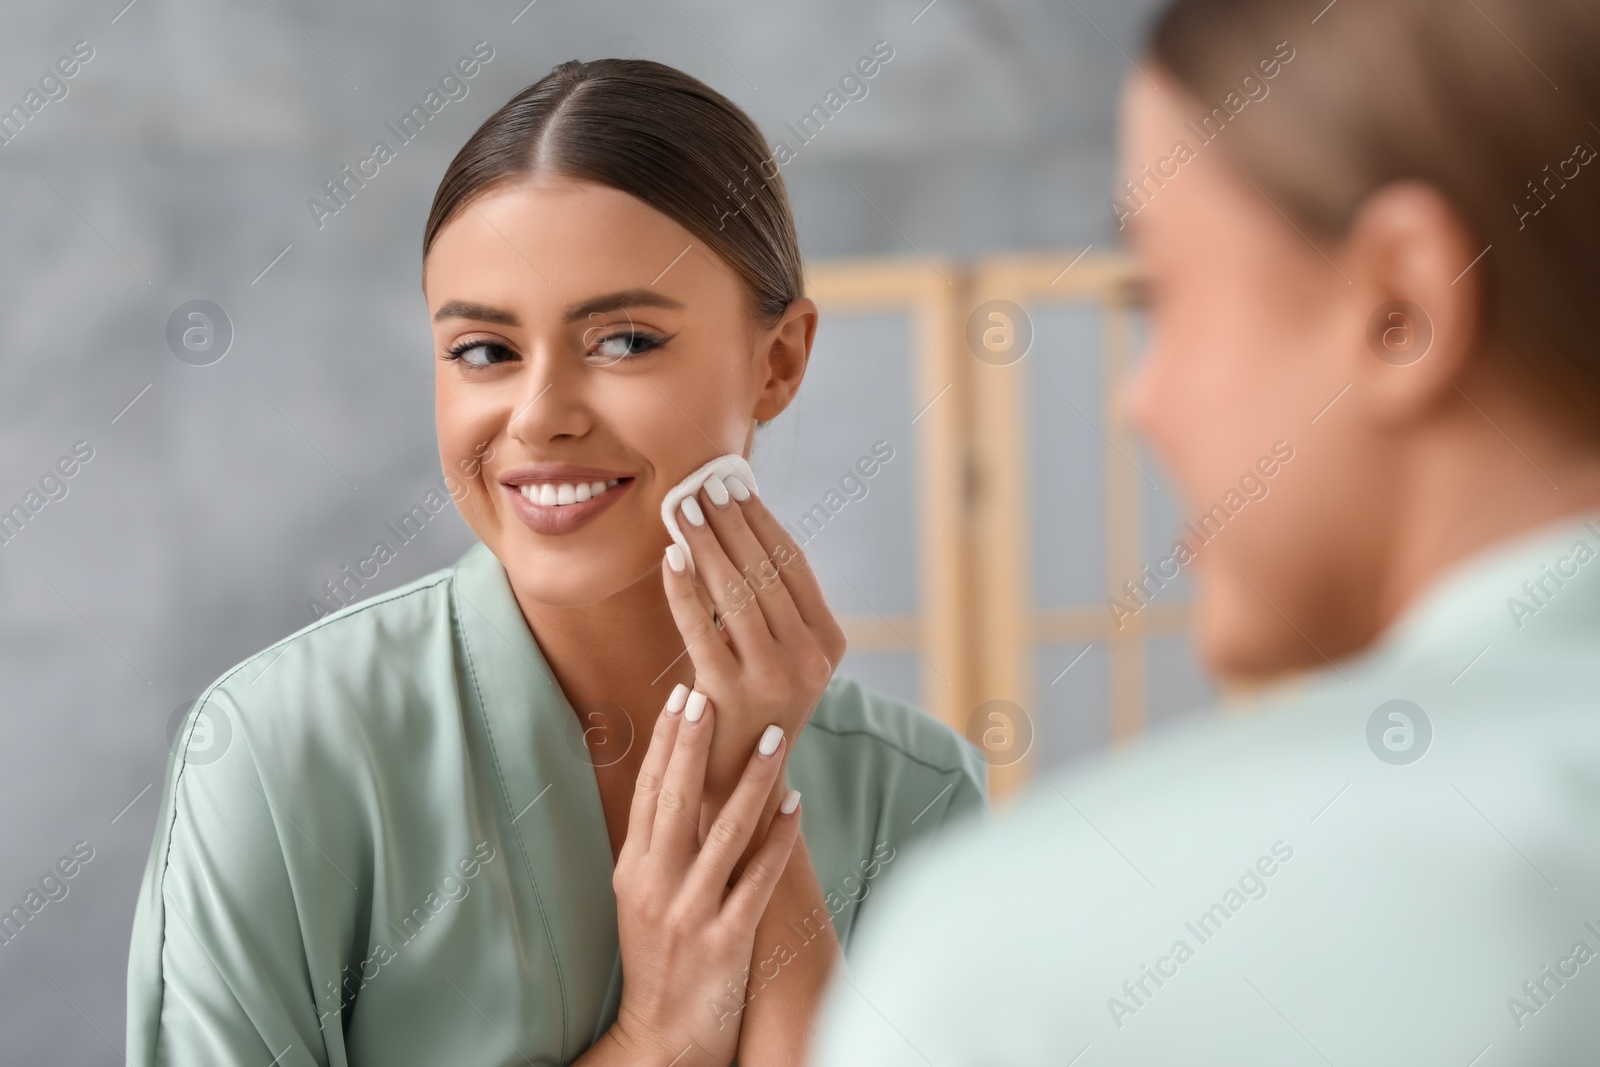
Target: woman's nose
{"x":550,"y":402}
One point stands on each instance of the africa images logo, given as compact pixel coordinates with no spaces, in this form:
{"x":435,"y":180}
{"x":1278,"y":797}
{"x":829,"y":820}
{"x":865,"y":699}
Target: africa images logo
{"x":1399,"y":732}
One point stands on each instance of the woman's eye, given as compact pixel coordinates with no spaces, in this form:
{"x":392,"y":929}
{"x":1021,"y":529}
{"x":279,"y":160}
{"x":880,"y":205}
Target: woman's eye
{"x":482,"y":353}
{"x":620,"y":346}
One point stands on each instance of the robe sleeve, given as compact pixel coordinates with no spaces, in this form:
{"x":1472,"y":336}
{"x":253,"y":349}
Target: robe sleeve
{"x":969,"y":798}
{"x":217,"y":969}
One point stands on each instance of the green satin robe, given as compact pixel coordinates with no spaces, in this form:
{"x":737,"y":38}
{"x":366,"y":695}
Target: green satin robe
{"x":381,"y":843}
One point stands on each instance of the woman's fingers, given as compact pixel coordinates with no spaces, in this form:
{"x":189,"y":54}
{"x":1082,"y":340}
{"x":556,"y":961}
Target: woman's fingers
{"x":798,"y":578}
{"x":680,"y":949}
{"x":653,"y":772}
{"x":755,"y":575}
{"x":748,"y":899}
{"x":676,"y":832}
{"x":745,"y":625}
{"x":733,"y":827}
{"x":708,"y":649}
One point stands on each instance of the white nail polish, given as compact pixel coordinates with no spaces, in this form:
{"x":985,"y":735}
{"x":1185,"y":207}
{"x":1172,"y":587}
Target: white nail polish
{"x":691,"y":511}
{"x":769,"y":740}
{"x":717,"y":491}
{"x":676,"y":559}
{"x":790,"y":801}
{"x":737,"y":489}
{"x":696,"y":706}
{"x":680,"y":696}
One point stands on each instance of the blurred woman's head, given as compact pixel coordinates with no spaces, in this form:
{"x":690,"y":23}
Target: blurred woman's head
{"x":616,"y":294}
{"x":1369,"y":244}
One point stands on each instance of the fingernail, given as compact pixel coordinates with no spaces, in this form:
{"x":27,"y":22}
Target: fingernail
{"x":675,"y":702}
{"x":692,"y":512}
{"x":738,"y":489}
{"x":676,"y":560}
{"x":770,"y":739}
{"x":696,"y":706}
{"x":791,"y":800}
{"x":717,"y":491}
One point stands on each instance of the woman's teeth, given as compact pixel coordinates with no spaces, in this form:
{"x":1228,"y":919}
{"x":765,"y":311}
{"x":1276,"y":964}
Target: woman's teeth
{"x":556,"y":494}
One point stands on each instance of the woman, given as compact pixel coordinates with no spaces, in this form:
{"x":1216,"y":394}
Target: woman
{"x":414,"y":836}
{"x":1369,"y":238}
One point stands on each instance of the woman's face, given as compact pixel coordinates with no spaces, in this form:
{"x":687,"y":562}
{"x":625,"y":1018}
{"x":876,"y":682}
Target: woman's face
{"x":1284,"y":480}
{"x":590,"y":354}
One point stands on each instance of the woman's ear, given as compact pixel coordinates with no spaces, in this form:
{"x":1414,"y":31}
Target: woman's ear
{"x":1411,"y":259}
{"x":781,"y":360}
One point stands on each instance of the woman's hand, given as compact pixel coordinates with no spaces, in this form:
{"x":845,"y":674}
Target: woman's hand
{"x":778,"y":643}
{"x":685,"y":923}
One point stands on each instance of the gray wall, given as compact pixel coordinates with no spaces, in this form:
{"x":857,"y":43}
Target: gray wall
{"x":178,"y":166}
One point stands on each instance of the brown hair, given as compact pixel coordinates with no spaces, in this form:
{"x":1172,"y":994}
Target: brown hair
{"x":656,"y":134}
{"x":1461,"y":97}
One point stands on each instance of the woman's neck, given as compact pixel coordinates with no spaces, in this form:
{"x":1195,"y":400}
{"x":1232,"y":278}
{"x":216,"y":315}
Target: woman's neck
{"x":624,"y":650}
{"x":1498,"y":474}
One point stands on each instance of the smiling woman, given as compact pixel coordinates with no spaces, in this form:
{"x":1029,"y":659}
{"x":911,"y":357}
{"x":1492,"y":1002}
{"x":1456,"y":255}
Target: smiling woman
{"x":602,"y":327}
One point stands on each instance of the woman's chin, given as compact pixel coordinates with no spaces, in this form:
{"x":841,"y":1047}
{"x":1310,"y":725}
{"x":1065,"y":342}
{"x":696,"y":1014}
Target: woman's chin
{"x":559,"y":580}
{"x":1236,"y":641}
{"x":1245,"y":641}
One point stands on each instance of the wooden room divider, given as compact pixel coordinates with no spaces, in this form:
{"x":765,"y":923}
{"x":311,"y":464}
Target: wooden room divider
{"x":980,"y":626}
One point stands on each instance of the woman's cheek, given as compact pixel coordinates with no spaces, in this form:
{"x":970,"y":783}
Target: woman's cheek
{"x":676,"y":429}
{"x":1171,"y":413}
{"x":469,"y":445}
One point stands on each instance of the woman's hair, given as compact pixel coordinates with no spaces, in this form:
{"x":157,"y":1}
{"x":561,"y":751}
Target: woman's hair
{"x":1461,"y":96}
{"x":656,"y":134}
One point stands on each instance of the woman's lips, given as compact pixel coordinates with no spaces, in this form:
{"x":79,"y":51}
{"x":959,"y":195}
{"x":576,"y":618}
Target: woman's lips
{"x":560,"y":505}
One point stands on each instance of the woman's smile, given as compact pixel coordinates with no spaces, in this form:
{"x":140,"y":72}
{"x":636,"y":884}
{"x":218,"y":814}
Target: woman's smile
{"x":558,"y":499}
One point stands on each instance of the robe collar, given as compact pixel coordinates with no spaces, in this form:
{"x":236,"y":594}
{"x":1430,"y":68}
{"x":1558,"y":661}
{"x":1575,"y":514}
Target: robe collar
{"x":1538,"y":588}
{"x":552,"y":801}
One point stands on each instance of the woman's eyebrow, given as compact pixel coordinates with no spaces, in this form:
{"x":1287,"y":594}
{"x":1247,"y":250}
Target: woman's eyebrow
{"x":465,"y":309}
{"x":616,"y":301}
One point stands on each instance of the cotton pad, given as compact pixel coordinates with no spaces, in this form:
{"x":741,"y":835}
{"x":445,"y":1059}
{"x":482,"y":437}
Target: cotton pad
{"x":724,"y":467}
